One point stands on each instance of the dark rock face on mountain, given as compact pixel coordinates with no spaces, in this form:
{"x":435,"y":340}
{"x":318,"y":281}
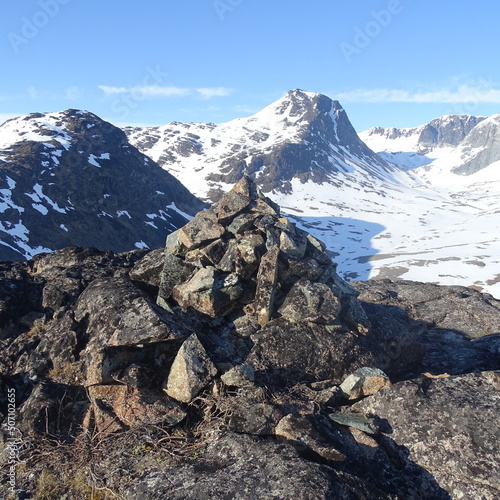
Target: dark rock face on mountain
{"x":445,"y":131}
{"x":259,"y":374}
{"x":481,"y":148}
{"x":449,"y":130}
{"x":70,"y":178}
{"x":325,"y":139}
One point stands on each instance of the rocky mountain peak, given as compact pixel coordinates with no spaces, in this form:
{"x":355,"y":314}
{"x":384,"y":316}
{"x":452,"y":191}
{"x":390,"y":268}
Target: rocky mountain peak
{"x":449,"y":130}
{"x":445,"y":131}
{"x":481,"y":147}
{"x":310,"y":112}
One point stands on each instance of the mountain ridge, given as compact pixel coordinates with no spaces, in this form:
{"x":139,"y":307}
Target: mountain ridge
{"x":302,"y":135}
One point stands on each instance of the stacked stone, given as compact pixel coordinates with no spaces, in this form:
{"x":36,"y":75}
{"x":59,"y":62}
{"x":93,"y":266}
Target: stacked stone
{"x":241,"y":255}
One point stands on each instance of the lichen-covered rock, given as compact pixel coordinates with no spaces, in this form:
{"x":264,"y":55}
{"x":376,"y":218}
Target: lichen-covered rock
{"x":239,"y":376}
{"x":294,"y":352}
{"x":119,"y":407}
{"x":251,"y":415}
{"x":263,"y":304}
{"x":299,"y":431}
{"x":118,"y":313}
{"x":210,"y":292}
{"x":53,"y":409}
{"x":421,"y":327}
{"x":449,"y":426}
{"x":148,"y":269}
{"x":243,"y":467}
{"x":452,"y":308}
{"x":314,"y":302}
{"x":203,"y":227}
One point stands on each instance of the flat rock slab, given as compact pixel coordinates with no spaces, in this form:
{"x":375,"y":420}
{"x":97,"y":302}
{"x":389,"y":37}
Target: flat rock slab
{"x":243,"y":467}
{"x":450,"y":426}
{"x":294,"y":351}
{"x":117,"y":407}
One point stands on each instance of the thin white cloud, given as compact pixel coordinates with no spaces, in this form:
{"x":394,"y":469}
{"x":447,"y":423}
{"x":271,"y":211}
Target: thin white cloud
{"x":476,"y":93}
{"x":214,"y":91}
{"x":150,"y":91}
{"x":146,"y":90}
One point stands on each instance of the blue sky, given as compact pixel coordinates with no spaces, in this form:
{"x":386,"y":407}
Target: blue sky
{"x":389,"y":62}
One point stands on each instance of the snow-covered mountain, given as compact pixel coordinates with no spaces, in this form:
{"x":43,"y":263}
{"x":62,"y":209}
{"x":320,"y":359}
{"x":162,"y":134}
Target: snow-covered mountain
{"x":417,"y":146}
{"x":69,"y":178}
{"x":304,"y":136}
{"x":464,"y":163}
{"x":378,"y":217}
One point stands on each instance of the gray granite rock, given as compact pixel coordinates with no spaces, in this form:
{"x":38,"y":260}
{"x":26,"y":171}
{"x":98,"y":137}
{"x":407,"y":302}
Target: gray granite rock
{"x":191,"y":371}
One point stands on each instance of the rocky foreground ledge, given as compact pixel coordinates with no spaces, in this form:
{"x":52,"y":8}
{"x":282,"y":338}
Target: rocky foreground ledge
{"x":236,"y":364}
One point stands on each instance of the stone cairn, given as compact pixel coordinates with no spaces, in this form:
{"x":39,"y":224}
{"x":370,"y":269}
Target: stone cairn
{"x":243,"y":293}
{"x":241,"y":256}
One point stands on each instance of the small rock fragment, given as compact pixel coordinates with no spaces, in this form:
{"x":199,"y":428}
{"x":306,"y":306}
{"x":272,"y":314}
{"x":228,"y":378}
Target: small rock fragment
{"x":239,"y":376}
{"x":298,"y":430}
{"x":364,"y":382}
{"x":357,"y":421}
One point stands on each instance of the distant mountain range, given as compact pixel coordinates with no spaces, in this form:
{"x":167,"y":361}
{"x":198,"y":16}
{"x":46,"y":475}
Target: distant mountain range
{"x":420,"y":203}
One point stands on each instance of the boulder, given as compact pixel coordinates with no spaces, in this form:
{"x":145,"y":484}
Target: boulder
{"x":308,"y":301}
{"x":263,"y":305}
{"x":210,"y":291}
{"x":239,"y":376}
{"x":191,"y":371}
{"x":290,"y":352}
{"x":202,"y":228}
